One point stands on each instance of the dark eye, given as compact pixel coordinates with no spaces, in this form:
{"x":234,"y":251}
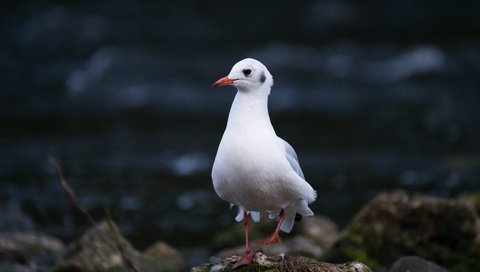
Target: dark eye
{"x":247,"y":72}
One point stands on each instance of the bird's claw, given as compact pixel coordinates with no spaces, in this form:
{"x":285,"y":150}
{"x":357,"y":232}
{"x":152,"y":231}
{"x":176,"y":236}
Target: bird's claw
{"x":271,"y":240}
{"x":246,"y":259}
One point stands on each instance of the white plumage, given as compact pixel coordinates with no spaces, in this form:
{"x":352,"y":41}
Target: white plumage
{"x":254,"y":168}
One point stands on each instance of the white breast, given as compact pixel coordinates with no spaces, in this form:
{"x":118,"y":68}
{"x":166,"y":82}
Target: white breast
{"x":251,"y":167}
{"x":250,"y":176}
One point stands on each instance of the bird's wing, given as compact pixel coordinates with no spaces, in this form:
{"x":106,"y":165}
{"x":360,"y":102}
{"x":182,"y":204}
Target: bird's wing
{"x":299,"y":207}
{"x":292,"y":158}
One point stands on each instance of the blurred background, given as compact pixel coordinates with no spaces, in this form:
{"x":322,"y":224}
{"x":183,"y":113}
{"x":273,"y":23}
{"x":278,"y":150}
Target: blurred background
{"x":373,"y":95}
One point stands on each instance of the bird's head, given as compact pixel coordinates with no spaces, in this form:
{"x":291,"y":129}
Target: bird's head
{"x":247,"y":75}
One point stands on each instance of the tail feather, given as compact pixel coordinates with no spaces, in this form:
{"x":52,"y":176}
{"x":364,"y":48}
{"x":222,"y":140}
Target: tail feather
{"x":254,"y":215}
{"x":300,"y":207}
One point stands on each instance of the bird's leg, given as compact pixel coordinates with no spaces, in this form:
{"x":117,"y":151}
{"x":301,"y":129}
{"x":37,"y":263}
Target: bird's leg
{"x":275,"y":238}
{"x":249,"y":254}
{"x":245,"y":228}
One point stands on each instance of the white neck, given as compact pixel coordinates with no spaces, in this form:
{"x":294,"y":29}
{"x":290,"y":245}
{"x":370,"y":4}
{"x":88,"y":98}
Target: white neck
{"x":250,"y":109}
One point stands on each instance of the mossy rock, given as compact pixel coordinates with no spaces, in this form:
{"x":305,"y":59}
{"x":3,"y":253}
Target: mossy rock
{"x":396,"y":224}
{"x":472,"y":198}
{"x":415,"y":263}
{"x":264,"y":263}
{"x":103,"y":248}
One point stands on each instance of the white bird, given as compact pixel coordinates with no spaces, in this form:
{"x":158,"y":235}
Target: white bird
{"x":255,"y":169}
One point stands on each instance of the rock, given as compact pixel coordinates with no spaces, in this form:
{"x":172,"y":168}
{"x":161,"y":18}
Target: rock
{"x":319,"y":228}
{"x":398,"y":224}
{"x":263,"y":262}
{"x":473,"y":198}
{"x":415,"y":264}
{"x":28,"y":244}
{"x":161,"y":257}
{"x":27,"y":249}
{"x":102,"y":248}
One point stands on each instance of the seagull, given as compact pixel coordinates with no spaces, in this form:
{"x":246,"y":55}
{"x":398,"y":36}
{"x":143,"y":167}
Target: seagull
{"x":255,"y":169}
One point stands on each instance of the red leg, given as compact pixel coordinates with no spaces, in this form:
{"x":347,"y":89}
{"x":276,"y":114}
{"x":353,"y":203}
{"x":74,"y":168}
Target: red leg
{"x":275,"y":238}
{"x":249,"y":255}
{"x":245,"y":228}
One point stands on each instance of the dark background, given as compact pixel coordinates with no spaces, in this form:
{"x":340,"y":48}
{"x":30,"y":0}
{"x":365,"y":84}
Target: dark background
{"x":374,"y":95}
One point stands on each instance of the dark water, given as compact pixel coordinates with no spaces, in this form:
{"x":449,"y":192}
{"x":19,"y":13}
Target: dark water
{"x":120,"y":95}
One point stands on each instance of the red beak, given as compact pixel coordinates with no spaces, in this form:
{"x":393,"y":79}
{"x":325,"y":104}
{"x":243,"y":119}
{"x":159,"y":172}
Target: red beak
{"x":224,"y":81}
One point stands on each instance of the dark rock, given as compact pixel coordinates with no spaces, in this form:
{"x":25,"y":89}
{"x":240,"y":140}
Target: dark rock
{"x":473,"y":198}
{"x":29,"y":243}
{"x":415,"y":264}
{"x":398,"y":224}
{"x":27,"y":250}
{"x":102,"y":248}
{"x":319,"y":228}
{"x":282,"y":263}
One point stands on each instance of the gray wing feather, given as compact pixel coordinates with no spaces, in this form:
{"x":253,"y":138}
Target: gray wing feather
{"x":292,"y":158}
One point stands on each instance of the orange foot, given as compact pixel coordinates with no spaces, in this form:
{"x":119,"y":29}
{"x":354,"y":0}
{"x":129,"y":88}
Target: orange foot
{"x":271,"y":240}
{"x":246,"y":259}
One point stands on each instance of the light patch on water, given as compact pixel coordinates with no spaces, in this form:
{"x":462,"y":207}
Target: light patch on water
{"x":190,"y":200}
{"x":191,"y":163}
{"x":420,"y":60}
{"x":339,"y":64}
{"x":96,"y":67}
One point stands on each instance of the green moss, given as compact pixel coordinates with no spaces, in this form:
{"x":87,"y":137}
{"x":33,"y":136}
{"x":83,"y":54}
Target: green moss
{"x":263,"y":263}
{"x":202,"y":268}
{"x":358,"y":254}
{"x":252,"y":268}
{"x":350,"y":248}
{"x":394,"y":225}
